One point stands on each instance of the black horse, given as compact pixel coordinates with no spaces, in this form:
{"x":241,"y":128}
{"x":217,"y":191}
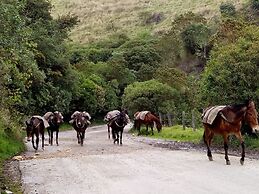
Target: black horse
{"x":80,"y":121}
{"x":54,"y":119}
{"x":35,"y":126}
{"x":117,"y":127}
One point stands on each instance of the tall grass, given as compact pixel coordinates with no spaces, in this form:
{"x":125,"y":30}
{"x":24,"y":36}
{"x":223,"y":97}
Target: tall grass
{"x":101,"y":18}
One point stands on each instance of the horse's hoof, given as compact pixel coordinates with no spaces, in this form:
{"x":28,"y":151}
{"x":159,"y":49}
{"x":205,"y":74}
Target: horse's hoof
{"x":242,"y":162}
{"x":228,"y":162}
{"x":210,"y":158}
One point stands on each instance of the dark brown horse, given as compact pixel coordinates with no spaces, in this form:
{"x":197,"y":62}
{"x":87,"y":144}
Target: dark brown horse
{"x":80,"y":121}
{"x":229,"y":121}
{"x":54,"y":119}
{"x":35,"y":126}
{"x":117,"y":125}
{"x":149,"y":119}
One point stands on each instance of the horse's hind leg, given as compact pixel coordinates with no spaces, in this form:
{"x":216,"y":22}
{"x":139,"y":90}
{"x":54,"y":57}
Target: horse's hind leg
{"x":109,"y":131}
{"x":226,"y":148}
{"x":146,"y":129}
{"x":49,"y":134}
{"x":207,"y":137}
{"x":51,"y":137}
{"x":37,"y":141}
{"x":42,"y":140}
{"x":239,"y":137}
{"x":78,"y":137}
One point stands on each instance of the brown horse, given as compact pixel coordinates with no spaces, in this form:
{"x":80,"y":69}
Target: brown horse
{"x":35,"y":126}
{"x":80,"y":121}
{"x":55,"y":120}
{"x":149,"y":119}
{"x":229,"y":121}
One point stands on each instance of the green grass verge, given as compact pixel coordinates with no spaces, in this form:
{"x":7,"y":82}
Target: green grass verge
{"x":176,"y":133}
{"x":10,"y":144}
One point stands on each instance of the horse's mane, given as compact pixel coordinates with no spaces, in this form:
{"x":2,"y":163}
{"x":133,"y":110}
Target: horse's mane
{"x":236,"y":107}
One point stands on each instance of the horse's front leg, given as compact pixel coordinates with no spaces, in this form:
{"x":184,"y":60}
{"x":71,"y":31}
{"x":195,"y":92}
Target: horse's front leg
{"x":82,"y":137}
{"x":152,"y":126}
{"x":146,"y":129}
{"x":138,"y":127}
{"x":121,"y":136}
{"x":78,"y":137}
{"x":32,"y":141}
{"x":239,"y":137}
{"x":57,"y":136}
{"x":226,"y":148}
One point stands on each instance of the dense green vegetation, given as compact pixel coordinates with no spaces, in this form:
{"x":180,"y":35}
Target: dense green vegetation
{"x":197,"y":61}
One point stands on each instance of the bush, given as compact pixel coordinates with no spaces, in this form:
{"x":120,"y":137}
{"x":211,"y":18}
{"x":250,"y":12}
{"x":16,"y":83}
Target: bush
{"x":227,"y":9}
{"x":255,"y":4}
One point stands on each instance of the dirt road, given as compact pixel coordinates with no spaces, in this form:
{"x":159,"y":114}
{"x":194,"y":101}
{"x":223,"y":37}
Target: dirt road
{"x":101,"y":167}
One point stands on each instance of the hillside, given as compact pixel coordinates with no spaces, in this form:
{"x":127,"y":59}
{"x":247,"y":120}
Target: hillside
{"x":101,"y":18}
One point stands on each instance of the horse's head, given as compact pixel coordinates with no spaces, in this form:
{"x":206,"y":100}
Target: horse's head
{"x":251,"y":116}
{"x":57,"y":117}
{"x":122,"y":119}
{"x":31,"y":124}
{"x":28,"y":129}
{"x":81,"y":120}
{"x":158,"y":126}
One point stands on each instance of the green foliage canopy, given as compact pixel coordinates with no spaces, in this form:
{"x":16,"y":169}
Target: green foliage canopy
{"x":231,"y":75}
{"x":149,"y":95}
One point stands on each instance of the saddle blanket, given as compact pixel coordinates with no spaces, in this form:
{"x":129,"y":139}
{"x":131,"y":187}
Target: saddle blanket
{"x":141,"y":115}
{"x":210,"y":113}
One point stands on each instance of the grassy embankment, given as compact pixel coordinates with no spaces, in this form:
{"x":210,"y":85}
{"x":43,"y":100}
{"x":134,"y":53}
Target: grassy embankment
{"x":101,"y":18}
{"x":10,"y":144}
{"x":176,"y":133}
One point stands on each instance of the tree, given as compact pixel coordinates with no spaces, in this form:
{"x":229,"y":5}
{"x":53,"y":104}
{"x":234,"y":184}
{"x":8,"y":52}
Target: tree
{"x":231,"y":75}
{"x":196,"y":37}
{"x":149,"y":95}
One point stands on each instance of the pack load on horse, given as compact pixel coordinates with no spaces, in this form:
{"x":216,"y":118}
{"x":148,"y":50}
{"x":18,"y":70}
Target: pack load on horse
{"x":80,"y":121}
{"x":148,"y":119}
{"x":54,"y":119}
{"x":36,"y":126}
{"x":227,"y":120}
{"x":111,"y":117}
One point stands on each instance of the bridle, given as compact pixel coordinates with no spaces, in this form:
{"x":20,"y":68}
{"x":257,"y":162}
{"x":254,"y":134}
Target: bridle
{"x":121,"y":126}
{"x":77,"y":124}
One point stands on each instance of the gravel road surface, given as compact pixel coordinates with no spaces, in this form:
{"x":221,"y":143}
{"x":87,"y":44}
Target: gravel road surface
{"x":134,"y":168}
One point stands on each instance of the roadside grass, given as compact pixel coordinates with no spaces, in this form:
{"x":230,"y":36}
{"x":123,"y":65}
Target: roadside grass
{"x":10,"y":144}
{"x":176,"y":133}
